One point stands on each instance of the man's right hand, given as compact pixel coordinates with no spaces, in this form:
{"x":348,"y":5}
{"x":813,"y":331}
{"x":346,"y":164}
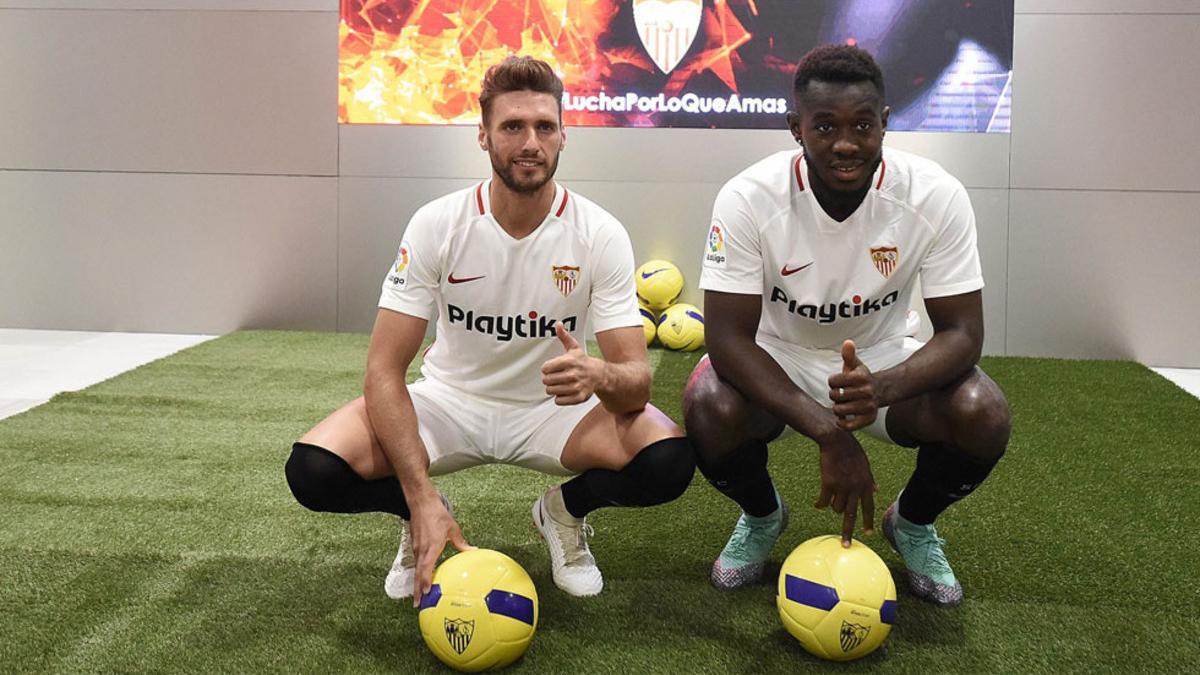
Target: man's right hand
{"x":432,"y":526}
{"x":846,"y":482}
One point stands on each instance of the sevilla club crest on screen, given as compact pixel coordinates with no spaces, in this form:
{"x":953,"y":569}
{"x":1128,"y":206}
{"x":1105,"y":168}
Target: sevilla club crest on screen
{"x":667,"y":28}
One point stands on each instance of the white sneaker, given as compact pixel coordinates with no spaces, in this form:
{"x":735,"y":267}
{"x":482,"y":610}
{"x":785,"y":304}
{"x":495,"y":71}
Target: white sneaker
{"x":571,"y":562}
{"x":403,"y":576}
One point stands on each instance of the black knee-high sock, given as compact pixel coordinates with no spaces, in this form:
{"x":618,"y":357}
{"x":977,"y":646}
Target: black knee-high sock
{"x":657,"y":475}
{"x":943,"y":476}
{"x":323,"y":481}
{"x":742,"y":476}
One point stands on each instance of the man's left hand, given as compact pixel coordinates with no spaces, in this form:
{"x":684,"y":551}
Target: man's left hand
{"x":573,"y":377}
{"x":853,"y":392}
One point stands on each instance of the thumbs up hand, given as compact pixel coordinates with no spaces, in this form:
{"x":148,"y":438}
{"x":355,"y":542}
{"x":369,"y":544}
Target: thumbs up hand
{"x":564,"y":336}
{"x":573,"y":377}
{"x":853,"y":391}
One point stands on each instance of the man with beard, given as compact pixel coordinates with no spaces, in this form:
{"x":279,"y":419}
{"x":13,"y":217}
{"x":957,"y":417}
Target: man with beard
{"x":513,"y":269}
{"x":810,"y":261}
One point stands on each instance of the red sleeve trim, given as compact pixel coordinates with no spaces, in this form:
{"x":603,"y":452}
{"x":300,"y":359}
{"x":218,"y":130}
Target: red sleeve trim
{"x":563,"y":206}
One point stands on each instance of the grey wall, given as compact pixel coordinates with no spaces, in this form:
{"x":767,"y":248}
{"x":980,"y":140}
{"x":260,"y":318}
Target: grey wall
{"x":1104,"y":195}
{"x":177,"y":166}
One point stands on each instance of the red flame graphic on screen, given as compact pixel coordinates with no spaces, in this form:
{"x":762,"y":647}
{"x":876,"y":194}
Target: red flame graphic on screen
{"x":422,"y":61}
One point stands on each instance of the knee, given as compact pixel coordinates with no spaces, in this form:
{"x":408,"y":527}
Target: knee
{"x":712,"y":415}
{"x":315,"y":475}
{"x":702,"y":394}
{"x":669,"y":466}
{"x":982,"y":420}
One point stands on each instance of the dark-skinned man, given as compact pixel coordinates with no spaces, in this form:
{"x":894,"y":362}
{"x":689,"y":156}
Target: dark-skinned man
{"x":810,"y":260}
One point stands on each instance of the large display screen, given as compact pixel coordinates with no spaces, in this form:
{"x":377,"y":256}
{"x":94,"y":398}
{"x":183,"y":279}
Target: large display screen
{"x":674,"y":63}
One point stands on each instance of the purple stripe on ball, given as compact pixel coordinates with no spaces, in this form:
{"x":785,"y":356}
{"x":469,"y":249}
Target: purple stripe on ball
{"x":431,"y":598}
{"x":808,"y":593}
{"x":510,"y":604}
{"x":887,"y":613}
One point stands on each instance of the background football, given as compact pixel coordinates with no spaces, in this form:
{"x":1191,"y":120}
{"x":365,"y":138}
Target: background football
{"x":681,"y":327}
{"x":649,"y":325}
{"x":481,"y":612}
{"x":658,"y":283}
{"x":840,"y":603}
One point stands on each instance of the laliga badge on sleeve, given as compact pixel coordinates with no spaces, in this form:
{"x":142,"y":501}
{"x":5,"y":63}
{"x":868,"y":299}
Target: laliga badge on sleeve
{"x":714,"y":249}
{"x":398,"y":275}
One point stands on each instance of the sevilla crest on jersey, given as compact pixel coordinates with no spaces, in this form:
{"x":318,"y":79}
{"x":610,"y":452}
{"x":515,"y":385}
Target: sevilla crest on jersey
{"x":565,"y":277}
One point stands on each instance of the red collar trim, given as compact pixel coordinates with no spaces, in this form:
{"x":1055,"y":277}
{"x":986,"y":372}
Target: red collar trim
{"x":479,"y":201}
{"x":563,"y":206}
{"x":796,"y":168}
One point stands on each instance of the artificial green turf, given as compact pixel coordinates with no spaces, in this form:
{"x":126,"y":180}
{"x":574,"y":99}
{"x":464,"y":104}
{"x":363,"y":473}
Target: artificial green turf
{"x":147,"y":527}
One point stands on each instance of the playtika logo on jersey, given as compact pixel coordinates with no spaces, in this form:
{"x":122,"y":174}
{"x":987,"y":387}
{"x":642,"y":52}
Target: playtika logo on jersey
{"x":529,"y":324}
{"x":832,"y":311}
{"x":667,"y":29}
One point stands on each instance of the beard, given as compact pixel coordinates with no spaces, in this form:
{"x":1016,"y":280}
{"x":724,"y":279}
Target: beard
{"x":508,"y":174}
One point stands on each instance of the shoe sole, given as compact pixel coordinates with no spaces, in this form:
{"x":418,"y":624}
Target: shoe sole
{"x":754,"y":571}
{"x":921,"y":586}
{"x":574,"y":594}
{"x":409,"y":593}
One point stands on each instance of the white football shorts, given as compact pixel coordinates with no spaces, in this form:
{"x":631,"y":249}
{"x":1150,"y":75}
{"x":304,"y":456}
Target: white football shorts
{"x":810,"y":369}
{"x":462,"y":430}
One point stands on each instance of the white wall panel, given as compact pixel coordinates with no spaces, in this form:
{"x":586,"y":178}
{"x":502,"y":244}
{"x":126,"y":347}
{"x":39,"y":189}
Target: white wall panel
{"x":210,"y":92}
{"x":373,"y":213}
{"x":977,"y":160}
{"x":640,"y":155}
{"x":1107,"y":7}
{"x":701,"y":155}
{"x":991,"y":224}
{"x":167,"y":253}
{"x":1104,"y":275}
{"x":1106,"y":102}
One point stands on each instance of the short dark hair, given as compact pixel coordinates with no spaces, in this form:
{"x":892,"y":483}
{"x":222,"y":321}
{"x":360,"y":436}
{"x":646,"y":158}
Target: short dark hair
{"x":837,"y":63}
{"x":519,"y":73}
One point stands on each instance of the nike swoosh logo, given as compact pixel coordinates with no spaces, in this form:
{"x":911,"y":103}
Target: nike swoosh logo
{"x":463,"y":280}
{"x":787,"y":273}
{"x":647,"y":275}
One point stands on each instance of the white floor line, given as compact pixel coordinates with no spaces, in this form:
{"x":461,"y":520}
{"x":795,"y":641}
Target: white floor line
{"x":1188,"y":379}
{"x":37,"y":364}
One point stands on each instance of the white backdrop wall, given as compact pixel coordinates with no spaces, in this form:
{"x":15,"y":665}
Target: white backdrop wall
{"x":175,"y":165}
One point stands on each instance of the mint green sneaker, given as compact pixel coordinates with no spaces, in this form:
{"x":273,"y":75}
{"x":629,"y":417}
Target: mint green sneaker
{"x":745,"y":554}
{"x":929,"y":574}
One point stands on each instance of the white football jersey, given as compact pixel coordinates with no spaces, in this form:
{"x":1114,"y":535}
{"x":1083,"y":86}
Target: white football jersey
{"x":823,"y":282}
{"x":497,"y":299}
